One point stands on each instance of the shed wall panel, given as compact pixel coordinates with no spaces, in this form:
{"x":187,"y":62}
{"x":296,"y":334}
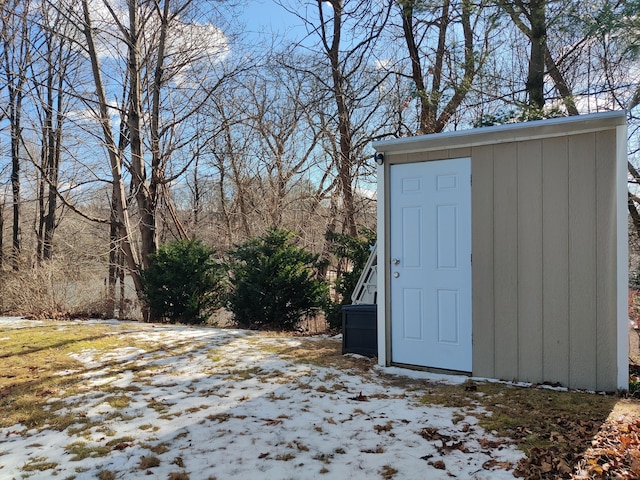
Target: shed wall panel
{"x":555,"y":260}
{"x":505,"y":224}
{"x":530,"y":273}
{"x":482,"y":254}
{"x":582,"y":261}
{"x":606,"y":277}
{"x":460,"y":152}
{"x":438,"y":155}
{"x":412,"y":157}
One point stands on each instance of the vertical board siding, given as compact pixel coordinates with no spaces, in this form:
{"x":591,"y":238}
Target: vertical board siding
{"x":582,"y":261}
{"x":411,"y":157}
{"x":483,"y":315}
{"x":505,"y":250}
{"x":460,"y":152}
{"x":555,"y":259}
{"x":438,"y":155}
{"x":530,"y":228}
{"x":606,"y":262}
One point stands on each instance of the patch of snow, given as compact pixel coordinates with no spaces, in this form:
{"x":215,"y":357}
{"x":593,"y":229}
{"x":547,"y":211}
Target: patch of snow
{"x":18,"y":322}
{"x":226,"y":408}
{"x":423,"y":375}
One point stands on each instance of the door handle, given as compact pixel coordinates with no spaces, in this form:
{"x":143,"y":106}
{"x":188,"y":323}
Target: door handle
{"x":396,"y":261}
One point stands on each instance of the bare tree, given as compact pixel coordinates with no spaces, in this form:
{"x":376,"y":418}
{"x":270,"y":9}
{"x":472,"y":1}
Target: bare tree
{"x":532,"y":20}
{"x":343,"y":64}
{"x":167,"y":62}
{"x":430,"y":31}
{"x":50,"y":71}
{"x":286,"y":138}
{"x":230,"y":152}
{"x":114,"y":153}
{"x":614,"y":49}
{"x":347,"y":71}
{"x":16,"y":57}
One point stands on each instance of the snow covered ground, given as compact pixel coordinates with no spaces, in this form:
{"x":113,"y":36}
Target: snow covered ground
{"x":203,"y":403}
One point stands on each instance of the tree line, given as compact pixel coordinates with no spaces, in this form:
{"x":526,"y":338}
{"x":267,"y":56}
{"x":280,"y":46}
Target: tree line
{"x":127,"y":124}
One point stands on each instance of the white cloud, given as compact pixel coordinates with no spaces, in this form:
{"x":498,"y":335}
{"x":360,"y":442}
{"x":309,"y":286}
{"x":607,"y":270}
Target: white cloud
{"x":383,"y":64}
{"x":188,"y":43}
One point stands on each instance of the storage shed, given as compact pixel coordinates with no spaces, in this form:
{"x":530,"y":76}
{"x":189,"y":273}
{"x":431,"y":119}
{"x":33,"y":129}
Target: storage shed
{"x":502,"y":252}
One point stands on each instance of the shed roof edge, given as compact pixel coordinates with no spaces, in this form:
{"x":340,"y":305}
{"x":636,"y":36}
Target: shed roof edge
{"x":513,"y":132}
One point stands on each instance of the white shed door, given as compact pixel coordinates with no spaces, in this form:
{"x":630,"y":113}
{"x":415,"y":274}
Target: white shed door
{"x":430,"y":247}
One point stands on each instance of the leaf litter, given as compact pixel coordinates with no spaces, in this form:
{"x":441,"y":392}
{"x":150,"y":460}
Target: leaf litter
{"x":207,"y":403}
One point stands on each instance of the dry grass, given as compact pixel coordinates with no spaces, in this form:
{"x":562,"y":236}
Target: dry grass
{"x":323,"y":352}
{"x":106,"y":475}
{"x":39,"y":464}
{"x":527,"y":413}
{"x":81,"y":450}
{"x":388,"y":472}
{"x":57,"y":289}
{"x":178,"y":476}
{"x":148,"y":462}
{"x":31,"y":384}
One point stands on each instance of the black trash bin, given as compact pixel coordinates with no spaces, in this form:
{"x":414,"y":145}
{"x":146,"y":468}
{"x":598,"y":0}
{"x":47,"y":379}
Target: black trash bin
{"x":360,"y":329}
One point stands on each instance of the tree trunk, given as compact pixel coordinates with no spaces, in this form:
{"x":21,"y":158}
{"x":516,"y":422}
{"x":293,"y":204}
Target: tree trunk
{"x":1,"y":235}
{"x":633,"y":213}
{"x":15,"y":115}
{"x":114,"y":255}
{"x":41,"y":195}
{"x":122,"y":301}
{"x":147,"y":224}
{"x":631,"y":199}
{"x":416,"y":65}
{"x":433,"y":117}
{"x":53,"y":173}
{"x":561,"y":84}
{"x":119,"y":194}
{"x":345,"y":160}
{"x":157,"y":162}
{"x":197,"y":201}
{"x":15,"y":180}
{"x":433,"y":100}
{"x":16,"y":58}
{"x":538,"y":38}
{"x":541,"y":61}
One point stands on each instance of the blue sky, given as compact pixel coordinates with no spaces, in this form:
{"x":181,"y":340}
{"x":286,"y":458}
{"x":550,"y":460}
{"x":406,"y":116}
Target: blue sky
{"x":267,"y":16}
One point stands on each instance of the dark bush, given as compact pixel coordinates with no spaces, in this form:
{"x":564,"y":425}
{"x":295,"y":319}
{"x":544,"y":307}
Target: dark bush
{"x":183,"y":283}
{"x":274,"y":283}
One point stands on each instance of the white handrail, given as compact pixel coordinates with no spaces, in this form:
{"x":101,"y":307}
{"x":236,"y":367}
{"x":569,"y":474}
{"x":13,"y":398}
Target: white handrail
{"x":367,"y":287}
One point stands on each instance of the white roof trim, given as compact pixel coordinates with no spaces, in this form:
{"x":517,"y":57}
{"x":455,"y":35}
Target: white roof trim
{"x":513,"y":132}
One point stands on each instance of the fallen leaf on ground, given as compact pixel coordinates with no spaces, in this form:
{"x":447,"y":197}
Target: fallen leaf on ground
{"x":359,"y":398}
{"x":439,"y":464}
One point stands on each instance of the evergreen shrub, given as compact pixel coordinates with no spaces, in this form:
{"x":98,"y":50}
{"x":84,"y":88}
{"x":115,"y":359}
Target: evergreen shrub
{"x":183,"y":283}
{"x":273,"y":282}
